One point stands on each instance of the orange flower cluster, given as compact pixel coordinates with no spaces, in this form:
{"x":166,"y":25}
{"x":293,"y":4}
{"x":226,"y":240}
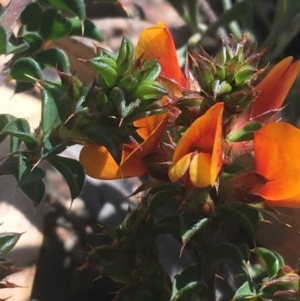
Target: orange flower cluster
{"x":199,"y":154}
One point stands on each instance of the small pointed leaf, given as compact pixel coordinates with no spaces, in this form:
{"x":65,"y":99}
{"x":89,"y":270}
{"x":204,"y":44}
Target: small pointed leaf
{"x":8,"y":241}
{"x":26,"y":66}
{"x":72,"y":171}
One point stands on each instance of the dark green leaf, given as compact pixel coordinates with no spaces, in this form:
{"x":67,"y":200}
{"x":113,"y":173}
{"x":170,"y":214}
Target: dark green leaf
{"x":104,"y":136}
{"x":31,"y":16}
{"x":240,"y":217}
{"x":22,"y":87}
{"x":4,"y":120}
{"x":19,"y":128}
{"x":186,"y":284}
{"x":160,"y":195}
{"x":54,"y":26}
{"x":228,"y":251}
{"x":26,"y":66}
{"x":245,"y":133}
{"x":35,"y":191}
{"x":188,"y":228}
{"x":8,"y":241}
{"x":76,"y":6}
{"x":34,"y":40}
{"x":30,"y":180}
{"x":27,"y":174}
{"x":273,"y":261}
{"x":246,"y":291}
{"x":12,"y":49}
{"x":86,"y":29}
{"x":3,"y":40}
{"x":72,"y":171}
{"x":54,"y":57}
{"x":53,"y":106}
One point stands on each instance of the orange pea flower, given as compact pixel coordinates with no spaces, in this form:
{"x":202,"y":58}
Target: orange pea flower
{"x":157,"y":43}
{"x":273,"y":90}
{"x":98,"y":163}
{"x":276,"y":151}
{"x":198,"y":156}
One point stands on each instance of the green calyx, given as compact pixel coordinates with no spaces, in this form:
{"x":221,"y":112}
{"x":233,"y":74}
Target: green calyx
{"x":229,"y":77}
{"x":126,"y":87}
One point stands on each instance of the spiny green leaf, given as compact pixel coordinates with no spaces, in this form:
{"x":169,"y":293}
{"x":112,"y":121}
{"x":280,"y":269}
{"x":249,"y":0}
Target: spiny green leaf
{"x":54,"y":109}
{"x":240,"y":217}
{"x":8,"y":241}
{"x":54,"y":57}
{"x":247,"y":291}
{"x":26,"y":66}
{"x":32,"y":23}
{"x":54,"y":26}
{"x":86,"y":29}
{"x":186,"y":284}
{"x":34,"y":41}
{"x":19,"y":128}
{"x":188,"y":228}
{"x":160,"y":195}
{"x":4,"y":120}
{"x":273,"y":261}
{"x":76,"y":6}
{"x":30,"y":180}
{"x":104,"y":136}
{"x":72,"y":171}
{"x":35,"y":191}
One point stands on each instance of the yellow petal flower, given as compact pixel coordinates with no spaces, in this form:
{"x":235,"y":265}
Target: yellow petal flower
{"x":200,"y":150}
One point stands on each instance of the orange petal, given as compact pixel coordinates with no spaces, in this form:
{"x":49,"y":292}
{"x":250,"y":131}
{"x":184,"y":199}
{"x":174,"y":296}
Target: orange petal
{"x":200,"y":170}
{"x":201,"y":134}
{"x":99,"y":164}
{"x":274,"y":88}
{"x":157,"y":43}
{"x":148,"y":124}
{"x":277,"y":160}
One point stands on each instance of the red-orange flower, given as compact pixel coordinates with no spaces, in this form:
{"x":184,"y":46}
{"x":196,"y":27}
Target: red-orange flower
{"x":98,"y":163}
{"x":276,"y":151}
{"x":272,"y":91}
{"x":198,"y":154}
{"x":157,"y":43}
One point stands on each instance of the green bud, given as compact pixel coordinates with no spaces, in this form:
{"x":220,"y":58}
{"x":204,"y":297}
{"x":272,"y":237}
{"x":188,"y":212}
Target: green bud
{"x":104,"y":67}
{"x":117,"y":97}
{"x":128,"y":83}
{"x":149,"y":70}
{"x":219,"y":88}
{"x":125,"y":56}
{"x":244,"y":74}
{"x":150,"y":90}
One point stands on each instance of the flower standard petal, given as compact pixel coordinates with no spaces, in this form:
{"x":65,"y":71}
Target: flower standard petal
{"x":277,"y":159}
{"x":274,"y":88}
{"x":157,"y":43}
